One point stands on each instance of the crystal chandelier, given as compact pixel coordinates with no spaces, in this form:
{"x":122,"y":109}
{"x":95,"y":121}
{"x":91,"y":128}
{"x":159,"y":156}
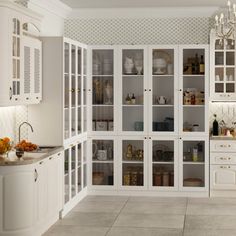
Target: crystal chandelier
{"x":225,"y":23}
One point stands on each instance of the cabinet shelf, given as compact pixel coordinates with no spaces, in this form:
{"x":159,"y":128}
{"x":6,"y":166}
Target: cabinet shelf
{"x":132,"y":162}
{"x":193,"y":163}
{"x":103,"y":162}
{"x":132,"y":105}
{"x":194,"y":106}
{"x":166,"y":105}
{"x":163,"y":162}
{"x":102,"y":75}
{"x":190,"y":75}
{"x":166,"y":76}
{"x":102,"y":105}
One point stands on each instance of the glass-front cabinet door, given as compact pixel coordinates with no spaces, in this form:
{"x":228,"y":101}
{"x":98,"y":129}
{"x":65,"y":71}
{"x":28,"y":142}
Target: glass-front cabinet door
{"x":194,"y":164}
{"x":103,"y":90}
{"x":163,"y":87}
{"x":223,"y":86}
{"x":193,"y":90}
{"x":85,"y":90}
{"x":163,"y":173}
{"x":74,"y":86}
{"x":133,"y":163}
{"x":103,"y":163}
{"x":134,"y":89}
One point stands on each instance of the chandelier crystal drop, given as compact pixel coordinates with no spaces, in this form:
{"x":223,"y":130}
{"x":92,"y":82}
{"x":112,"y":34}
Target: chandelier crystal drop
{"x":225,"y":23}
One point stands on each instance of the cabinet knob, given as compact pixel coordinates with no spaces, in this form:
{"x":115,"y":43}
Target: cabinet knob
{"x":50,"y":158}
{"x":27,"y":98}
{"x":150,"y":138}
{"x":59,"y":154}
{"x":145,"y":137}
{"x":150,"y":90}
{"x":145,"y":90}
{"x":180,"y":90}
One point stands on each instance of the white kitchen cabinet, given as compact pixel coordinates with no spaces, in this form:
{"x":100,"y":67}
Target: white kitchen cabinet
{"x":223,"y":79}
{"x":103,"y":92}
{"x":74,"y":174}
{"x":64,"y":107}
{"x":223,"y":168}
{"x":30,"y":197}
{"x":168,"y":90}
{"x":20,"y":55}
{"x":223,"y":177}
{"x":103,"y":162}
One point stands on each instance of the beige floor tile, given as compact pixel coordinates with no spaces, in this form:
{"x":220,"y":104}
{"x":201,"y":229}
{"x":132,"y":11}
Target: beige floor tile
{"x":150,"y":220}
{"x":211,"y":209}
{"x":92,"y":198}
{"x":178,"y":208}
{"x":159,"y":199}
{"x":209,"y":232}
{"x":89,"y":219}
{"x":210,"y":222}
{"x":213,"y":200}
{"x":121,"y":231}
{"x":107,"y":207}
{"x":65,"y":230}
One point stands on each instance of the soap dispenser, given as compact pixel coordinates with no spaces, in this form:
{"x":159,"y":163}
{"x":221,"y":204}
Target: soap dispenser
{"x":215,"y":127}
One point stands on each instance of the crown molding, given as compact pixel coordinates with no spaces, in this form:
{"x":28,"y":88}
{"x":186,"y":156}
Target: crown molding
{"x":54,"y":6}
{"x":163,"y":12}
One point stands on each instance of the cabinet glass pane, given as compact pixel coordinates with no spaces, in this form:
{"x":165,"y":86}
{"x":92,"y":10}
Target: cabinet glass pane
{"x":73,"y":59}
{"x":73,"y":171}
{"x":193,"y":163}
{"x":219,"y":58}
{"x":219,"y":44}
{"x":66,"y":58}
{"x":163,"y":163}
{"x":66,"y":176}
{"x":79,"y":60}
{"x":85,"y":61}
{"x":219,"y":88}
{"x":103,"y":88}
{"x":219,"y":74}
{"x":103,"y":162}
{"x":133,"y":87}
{"x":79,"y":167}
{"x":192,"y":60}
{"x":163,"y":90}
{"x":230,"y":88}
{"x":230,"y":58}
{"x":230,"y":44}
{"x":193,"y":91}
{"x":73,"y":121}
{"x":84,"y":164}
{"x":230,"y":74}
{"x":132,"y":162}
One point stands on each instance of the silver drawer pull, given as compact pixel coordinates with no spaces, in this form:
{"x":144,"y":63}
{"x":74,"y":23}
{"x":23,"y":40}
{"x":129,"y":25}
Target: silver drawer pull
{"x":225,"y":167}
{"x":225,"y":158}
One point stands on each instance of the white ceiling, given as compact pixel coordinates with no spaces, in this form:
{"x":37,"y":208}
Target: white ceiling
{"x":142,"y":3}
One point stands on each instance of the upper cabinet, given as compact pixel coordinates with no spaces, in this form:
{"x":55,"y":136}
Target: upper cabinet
{"x":64,"y":106}
{"x":21,"y":55}
{"x":223,"y":86}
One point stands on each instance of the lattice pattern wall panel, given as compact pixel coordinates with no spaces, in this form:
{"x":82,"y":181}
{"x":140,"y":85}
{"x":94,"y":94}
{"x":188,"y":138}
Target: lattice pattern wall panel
{"x":139,"y":31}
{"x":7,"y":122}
{"x":21,"y":116}
{"x":224,"y":111}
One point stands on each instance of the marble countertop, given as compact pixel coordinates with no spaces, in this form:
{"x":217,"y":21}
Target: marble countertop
{"x":29,"y":157}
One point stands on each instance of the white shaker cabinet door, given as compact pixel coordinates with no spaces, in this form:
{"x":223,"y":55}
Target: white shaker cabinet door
{"x":223,"y":177}
{"x":18,"y":200}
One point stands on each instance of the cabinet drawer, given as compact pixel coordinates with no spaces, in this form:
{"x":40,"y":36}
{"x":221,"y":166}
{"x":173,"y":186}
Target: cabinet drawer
{"x":223,"y":158}
{"x":223,"y":177}
{"x":223,"y":146}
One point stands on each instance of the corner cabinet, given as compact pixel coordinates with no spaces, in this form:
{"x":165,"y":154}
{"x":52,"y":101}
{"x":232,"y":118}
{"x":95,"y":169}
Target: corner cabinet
{"x":223,"y":77}
{"x":21,"y":55}
{"x":157,"y":90}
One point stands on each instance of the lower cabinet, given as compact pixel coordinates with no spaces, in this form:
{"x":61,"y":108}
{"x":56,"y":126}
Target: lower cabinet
{"x":223,"y":168}
{"x":150,"y":163}
{"x":75,"y":173}
{"x":223,"y":177}
{"x":30,"y":197}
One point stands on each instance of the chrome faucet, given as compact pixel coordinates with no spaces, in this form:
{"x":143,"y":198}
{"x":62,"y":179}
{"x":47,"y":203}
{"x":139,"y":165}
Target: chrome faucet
{"x":27,"y":123}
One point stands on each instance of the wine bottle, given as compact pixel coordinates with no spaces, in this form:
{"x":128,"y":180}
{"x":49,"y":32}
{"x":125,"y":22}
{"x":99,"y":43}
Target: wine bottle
{"x":202,"y":66}
{"x":215,"y":127}
{"x":133,"y":99}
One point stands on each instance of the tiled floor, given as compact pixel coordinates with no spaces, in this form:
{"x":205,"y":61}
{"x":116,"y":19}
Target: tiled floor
{"x":149,"y":216}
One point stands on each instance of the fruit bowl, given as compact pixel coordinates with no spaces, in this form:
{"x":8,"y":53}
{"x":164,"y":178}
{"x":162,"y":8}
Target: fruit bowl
{"x":26,"y":146}
{"x":5,"y":146}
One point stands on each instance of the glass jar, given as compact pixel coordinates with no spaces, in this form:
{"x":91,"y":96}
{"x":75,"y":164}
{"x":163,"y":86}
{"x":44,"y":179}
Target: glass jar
{"x":157,"y":181}
{"x":165,"y":179}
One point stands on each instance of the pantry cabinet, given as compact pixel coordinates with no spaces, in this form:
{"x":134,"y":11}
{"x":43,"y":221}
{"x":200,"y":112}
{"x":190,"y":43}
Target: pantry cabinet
{"x":21,"y":55}
{"x":162,"y":144}
{"x":223,"y":85}
{"x":65,"y":94}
